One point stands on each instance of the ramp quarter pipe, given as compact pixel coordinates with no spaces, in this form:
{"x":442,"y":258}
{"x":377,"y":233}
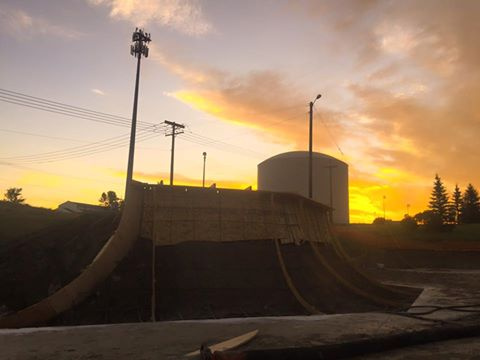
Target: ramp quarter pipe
{"x":213,"y":253}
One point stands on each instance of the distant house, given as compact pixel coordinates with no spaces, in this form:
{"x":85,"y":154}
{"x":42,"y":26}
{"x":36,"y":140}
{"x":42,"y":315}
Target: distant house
{"x":80,"y":208}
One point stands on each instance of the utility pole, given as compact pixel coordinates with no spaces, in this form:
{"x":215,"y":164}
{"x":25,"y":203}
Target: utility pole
{"x":310,"y":149}
{"x":174,"y":133}
{"x":139,"y":48}
{"x":204,"y":161}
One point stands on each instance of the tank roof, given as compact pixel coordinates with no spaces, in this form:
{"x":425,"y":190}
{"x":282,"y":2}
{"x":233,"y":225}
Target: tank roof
{"x":302,"y":154}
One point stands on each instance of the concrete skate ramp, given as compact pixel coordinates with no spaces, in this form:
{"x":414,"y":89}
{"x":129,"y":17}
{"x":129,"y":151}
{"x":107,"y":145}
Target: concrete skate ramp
{"x":175,"y":214}
{"x":104,"y":263}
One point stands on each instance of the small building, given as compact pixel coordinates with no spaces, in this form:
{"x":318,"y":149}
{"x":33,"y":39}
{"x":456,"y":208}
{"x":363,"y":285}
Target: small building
{"x":288,"y":172}
{"x":80,"y":208}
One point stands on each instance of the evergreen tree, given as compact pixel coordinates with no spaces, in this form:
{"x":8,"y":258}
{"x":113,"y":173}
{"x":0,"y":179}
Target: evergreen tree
{"x":457,"y":203}
{"x":470,"y":211}
{"x":439,"y":200}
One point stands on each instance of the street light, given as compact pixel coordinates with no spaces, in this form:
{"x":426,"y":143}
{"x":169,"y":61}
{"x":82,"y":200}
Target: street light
{"x":204,"y":161}
{"x":310,"y":146}
{"x":139,"y":48}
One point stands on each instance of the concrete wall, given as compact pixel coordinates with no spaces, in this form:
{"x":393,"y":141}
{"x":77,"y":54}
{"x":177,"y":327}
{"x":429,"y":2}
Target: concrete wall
{"x":289,"y":172}
{"x":174,"y":214}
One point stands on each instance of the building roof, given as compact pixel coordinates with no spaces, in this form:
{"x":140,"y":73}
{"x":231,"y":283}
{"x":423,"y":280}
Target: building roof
{"x":68,"y":205}
{"x":302,"y":155}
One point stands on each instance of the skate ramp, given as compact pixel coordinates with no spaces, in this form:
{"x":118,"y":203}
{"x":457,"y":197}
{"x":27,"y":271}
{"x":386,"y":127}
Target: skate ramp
{"x":107,"y":259}
{"x":293,"y":255}
{"x":175,"y":214}
{"x":202,"y":280}
{"x":217,"y":253}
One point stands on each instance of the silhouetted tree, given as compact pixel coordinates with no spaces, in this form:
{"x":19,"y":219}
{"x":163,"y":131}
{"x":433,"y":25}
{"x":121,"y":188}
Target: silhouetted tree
{"x":429,"y":218}
{"x":110,"y":199}
{"x":470,"y":211}
{"x":408,"y":223}
{"x":14,"y":195}
{"x":439,"y":200}
{"x":381,"y":221}
{"x":426,"y":217}
{"x":457,"y":203}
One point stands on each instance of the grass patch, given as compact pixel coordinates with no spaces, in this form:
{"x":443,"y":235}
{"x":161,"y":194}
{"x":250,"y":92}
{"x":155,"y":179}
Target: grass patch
{"x":17,"y":220}
{"x":396,"y":235}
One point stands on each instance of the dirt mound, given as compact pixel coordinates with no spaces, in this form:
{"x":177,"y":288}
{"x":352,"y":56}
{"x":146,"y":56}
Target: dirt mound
{"x":34,"y":266}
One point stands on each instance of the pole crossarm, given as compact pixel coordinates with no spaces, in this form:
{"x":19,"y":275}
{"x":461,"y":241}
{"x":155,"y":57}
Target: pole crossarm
{"x":176,"y":129}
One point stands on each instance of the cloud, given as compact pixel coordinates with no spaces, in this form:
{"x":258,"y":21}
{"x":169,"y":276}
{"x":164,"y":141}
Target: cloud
{"x":185,"y":16}
{"x":267,"y":101}
{"x":22,"y":25}
{"x":413,"y":109}
{"x":178,"y":67}
{"x":98,"y":92}
{"x":258,"y":99}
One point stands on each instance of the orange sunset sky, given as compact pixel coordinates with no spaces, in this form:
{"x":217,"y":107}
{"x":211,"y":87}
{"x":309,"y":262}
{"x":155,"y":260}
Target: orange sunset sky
{"x":400,"y":86}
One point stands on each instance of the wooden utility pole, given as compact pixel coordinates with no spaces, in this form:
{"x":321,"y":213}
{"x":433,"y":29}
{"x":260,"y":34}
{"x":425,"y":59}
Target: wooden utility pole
{"x":176,"y":130}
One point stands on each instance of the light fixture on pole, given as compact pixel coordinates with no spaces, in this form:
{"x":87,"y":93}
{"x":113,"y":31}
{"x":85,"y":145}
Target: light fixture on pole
{"x":310,"y":148}
{"x":139,"y":48}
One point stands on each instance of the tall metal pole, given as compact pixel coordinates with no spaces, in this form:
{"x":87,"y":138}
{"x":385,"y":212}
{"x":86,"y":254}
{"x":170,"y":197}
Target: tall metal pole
{"x":310,"y":148}
{"x":310,"y":153}
{"x":204,"y":161}
{"x":141,"y":39}
{"x":131,"y":151}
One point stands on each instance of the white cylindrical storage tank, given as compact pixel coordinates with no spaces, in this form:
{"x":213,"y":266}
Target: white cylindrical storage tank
{"x":288,"y":172}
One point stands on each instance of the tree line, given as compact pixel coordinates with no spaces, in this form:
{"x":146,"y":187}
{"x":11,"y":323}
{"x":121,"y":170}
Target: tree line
{"x":458,"y":208}
{"x":107,"y":199}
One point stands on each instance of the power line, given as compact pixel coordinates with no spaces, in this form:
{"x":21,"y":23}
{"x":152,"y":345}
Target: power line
{"x":65,"y":109}
{"x":60,"y":108}
{"x":56,"y":107}
{"x":67,"y":150}
{"x":59,"y":104}
{"x":203,"y":140}
{"x":42,"y":136}
{"x":330,"y":133}
{"x":80,"y":151}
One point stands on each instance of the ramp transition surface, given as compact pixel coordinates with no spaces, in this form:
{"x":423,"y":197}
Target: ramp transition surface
{"x":217,"y":253}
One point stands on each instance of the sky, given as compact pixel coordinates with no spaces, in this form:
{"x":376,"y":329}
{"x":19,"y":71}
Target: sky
{"x":400,"y":86}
